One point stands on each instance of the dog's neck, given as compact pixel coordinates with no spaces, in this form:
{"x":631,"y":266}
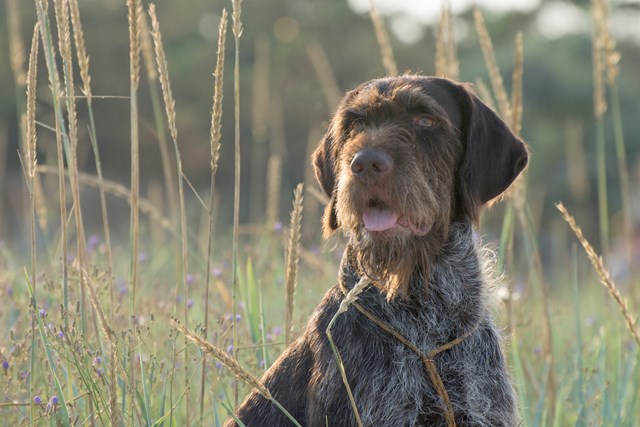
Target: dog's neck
{"x":458,"y":251}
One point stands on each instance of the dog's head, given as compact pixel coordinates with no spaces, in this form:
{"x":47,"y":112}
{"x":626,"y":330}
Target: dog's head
{"x":405,"y":156}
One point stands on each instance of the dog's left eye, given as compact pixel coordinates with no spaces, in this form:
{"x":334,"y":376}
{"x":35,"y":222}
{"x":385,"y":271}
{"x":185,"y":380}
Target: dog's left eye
{"x":425,"y":121}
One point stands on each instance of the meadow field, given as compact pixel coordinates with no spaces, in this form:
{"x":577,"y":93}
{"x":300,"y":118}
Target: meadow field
{"x":127,"y":299}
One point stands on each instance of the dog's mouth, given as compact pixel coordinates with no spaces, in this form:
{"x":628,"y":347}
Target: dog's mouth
{"x":378,"y":217}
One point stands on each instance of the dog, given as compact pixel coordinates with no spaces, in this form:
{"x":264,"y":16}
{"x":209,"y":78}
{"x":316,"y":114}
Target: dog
{"x":408,"y":164}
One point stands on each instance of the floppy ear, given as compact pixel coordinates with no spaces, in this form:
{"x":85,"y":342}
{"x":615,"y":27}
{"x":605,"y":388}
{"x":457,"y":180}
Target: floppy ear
{"x":493,"y":158}
{"x":324,"y":167}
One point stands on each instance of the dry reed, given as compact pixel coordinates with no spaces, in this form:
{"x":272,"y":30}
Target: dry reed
{"x":16,"y":44}
{"x":31,"y":134}
{"x":603,"y":273}
{"x":516,"y":87}
{"x":83,"y":62}
{"x":484,"y":93}
{"x":134,"y":11}
{"x":292,"y":261}
{"x":325,"y":74}
{"x":215,"y":136}
{"x":29,"y":165}
{"x":274,"y":177}
{"x":383,"y":41}
{"x":350,"y":298}
{"x":259,"y":125}
{"x":217,"y":353}
{"x":446,"y":62}
{"x":492,"y":66}
{"x":237,"y":32}
{"x":170,"y":109}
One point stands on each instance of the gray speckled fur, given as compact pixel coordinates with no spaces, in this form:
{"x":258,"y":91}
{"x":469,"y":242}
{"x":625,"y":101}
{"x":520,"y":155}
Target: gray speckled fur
{"x":389,"y":382}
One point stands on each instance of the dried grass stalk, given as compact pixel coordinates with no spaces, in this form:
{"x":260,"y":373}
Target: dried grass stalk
{"x":134,"y":14}
{"x":325,"y":74}
{"x":216,"y":128}
{"x":383,"y":41}
{"x":274,"y":177}
{"x":446,"y":58}
{"x":31,"y":133}
{"x":216,"y":115}
{"x":516,"y":86}
{"x":16,"y":44}
{"x":292,"y":260}
{"x":147,"y":49}
{"x":492,"y":66}
{"x":237,"y":21}
{"x":485,"y":94}
{"x":598,"y":17}
{"x":161,"y":60}
{"x":81,"y":50}
{"x":603,"y":273}
{"x":217,"y":353}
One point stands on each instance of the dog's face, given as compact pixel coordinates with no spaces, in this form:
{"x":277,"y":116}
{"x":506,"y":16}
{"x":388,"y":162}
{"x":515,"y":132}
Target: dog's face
{"x":401,"y":159}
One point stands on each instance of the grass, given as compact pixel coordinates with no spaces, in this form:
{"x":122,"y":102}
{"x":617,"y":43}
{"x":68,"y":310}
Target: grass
{"x":92,"y":336}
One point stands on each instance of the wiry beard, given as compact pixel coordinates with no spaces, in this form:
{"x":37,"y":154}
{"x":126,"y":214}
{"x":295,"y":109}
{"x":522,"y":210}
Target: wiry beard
{"x":391,"y":261}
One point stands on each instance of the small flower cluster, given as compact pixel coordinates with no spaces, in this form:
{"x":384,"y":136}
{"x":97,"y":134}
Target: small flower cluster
{"x":52,"y":406}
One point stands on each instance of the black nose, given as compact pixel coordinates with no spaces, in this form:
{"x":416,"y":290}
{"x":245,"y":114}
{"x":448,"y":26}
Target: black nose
{"x":371,"y":163}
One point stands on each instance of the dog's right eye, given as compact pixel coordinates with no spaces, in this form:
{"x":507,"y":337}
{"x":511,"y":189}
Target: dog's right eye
{"x":425,"y":121}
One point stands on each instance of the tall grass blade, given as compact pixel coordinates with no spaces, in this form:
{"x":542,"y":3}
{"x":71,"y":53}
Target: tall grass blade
{"x":237,"y":32}
{"x":383,"y":41}
{"x":216,"y":133}
{"x":603,"y":274}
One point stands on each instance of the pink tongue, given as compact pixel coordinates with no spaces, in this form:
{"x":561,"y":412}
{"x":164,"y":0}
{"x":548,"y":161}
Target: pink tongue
{"x":379,"y":219}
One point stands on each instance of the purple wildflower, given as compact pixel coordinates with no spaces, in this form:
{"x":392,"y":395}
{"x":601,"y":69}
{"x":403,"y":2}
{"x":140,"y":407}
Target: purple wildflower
{"x":60,"y":334}
{"x":262,"y":364}
{"x":238,"y":317}
{"x":189,"y":303}
{"x":277,"y":227}
{"x":276,"y":331}
{"x":142,"y":257}
{"x":98,"y":360}
{"x":217,"y":272}
{"x":93,"y":243}
{"x":43,"y":313}
{"x":190,"y":279}
{"x":54,"y":400}
{"x":230,"y":349}
{"x":37,"y":400}
{"x":5,"y":365}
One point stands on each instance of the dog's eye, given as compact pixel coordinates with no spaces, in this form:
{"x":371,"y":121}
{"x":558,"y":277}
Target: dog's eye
{"x":425,"y":121}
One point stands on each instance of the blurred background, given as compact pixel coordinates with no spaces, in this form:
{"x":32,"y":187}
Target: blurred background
{"x":285,"y":47}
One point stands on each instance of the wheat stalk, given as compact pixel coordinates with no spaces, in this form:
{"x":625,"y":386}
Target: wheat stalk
{"x":603,"y":273}
{"x":83,"y":61}
{"x":237,"y":32}
{"x":31,"y":133}
{"x":170,"y":108}
{"x":516,"y":86}
{"x":292,"y":260}
{"x":492,"y":66}
{"x":446,"y":59}
{"x":325,"y":74}
{"x":274,"y":177}
{"x":216,"y":129}
{"x":16,"y":44}
{"x":383,"y":41}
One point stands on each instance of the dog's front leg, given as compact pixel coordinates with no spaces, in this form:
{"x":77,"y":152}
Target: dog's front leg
{"x":287,"y":380}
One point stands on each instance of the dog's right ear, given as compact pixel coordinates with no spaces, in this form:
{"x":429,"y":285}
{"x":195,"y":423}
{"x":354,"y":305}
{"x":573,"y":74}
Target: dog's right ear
{"x":324,"y":166}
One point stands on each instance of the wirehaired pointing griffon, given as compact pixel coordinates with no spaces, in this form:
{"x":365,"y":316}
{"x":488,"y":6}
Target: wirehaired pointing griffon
{"x":408,"y":163}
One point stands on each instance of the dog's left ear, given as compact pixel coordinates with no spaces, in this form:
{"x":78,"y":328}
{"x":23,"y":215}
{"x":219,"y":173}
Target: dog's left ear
{"x":493,"y":157}
{"x":324,"y":166}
